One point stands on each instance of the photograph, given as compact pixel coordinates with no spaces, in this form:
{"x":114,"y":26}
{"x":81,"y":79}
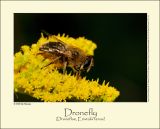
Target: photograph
{"x":80,"y":64}
{"x":80,"y":57}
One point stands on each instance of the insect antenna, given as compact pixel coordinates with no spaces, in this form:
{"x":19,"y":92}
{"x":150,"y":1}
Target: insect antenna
{"x":45,"y":33}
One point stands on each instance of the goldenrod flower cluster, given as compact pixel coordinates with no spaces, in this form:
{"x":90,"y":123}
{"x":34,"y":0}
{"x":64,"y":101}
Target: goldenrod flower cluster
{"x":48,"y":84}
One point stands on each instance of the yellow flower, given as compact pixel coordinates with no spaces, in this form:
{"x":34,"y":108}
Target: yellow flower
{"x":48,"y":84}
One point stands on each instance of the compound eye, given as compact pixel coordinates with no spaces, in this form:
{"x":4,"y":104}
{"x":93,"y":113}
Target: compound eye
{"x":87,"y":63}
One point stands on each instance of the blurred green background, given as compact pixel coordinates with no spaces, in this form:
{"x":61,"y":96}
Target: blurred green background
{"x":121,"y":55}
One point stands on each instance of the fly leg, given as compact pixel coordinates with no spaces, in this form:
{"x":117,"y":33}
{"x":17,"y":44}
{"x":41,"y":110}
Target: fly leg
{"x":64,"y":67}
{"x":57,"y":58}
{"x":65,"y":62}
{"x":78,"y":74}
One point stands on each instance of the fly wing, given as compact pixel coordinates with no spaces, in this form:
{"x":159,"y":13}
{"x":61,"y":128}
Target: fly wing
{"x":53,"y":47}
